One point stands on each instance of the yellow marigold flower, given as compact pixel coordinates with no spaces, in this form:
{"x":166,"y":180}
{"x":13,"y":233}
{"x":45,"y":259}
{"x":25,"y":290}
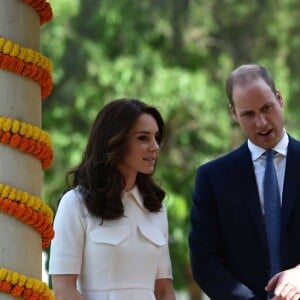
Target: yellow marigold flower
{"x":40,"y":206}
{"x":36,"y":132}
{"x":35,"y":57}
{"x":15,"y":50}
{"x":29,"y":55}
{"x":28,"y":134}
{"x":47,"y":65}
{"x":43,"y":287}
{"x":8,"y":276}
{"x":35,"y":284}
{"x":49,"y":294}
{"x":23,"y":129}
{"x":45,"y":138}
{"x":13,"y":194}
{"x":25,"y":197}
{"x":36,"y":203}
{"x":49,"y":214}
{"x":7,"y":47}
{"x":42,"y":137}
{"x":30,"y":202}
{"x":7,"y":124}
{"x":2,"y":42}
{"x":14,"y":278}
{"x":15,"y":126}
{"x":3,"y":273}
{"x":5,"y":191}
{"x":22,"y":53}
{"x":19,"y":195}
{"x":29,"y":283}
{"x":22,"y":279}
{"x":40,"y":62}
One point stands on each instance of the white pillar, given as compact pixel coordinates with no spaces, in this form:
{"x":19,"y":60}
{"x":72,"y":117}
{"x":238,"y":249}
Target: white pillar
{"x":20,"y":99}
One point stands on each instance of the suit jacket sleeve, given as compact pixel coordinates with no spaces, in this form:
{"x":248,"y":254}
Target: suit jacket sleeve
{"x":205,"y":242}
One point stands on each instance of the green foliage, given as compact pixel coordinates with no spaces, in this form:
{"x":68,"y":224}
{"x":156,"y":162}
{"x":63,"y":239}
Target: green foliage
{"x":175,"y":54}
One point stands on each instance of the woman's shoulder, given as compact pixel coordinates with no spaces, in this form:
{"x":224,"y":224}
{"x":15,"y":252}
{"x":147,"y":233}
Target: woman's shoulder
{"x":72,"y":199}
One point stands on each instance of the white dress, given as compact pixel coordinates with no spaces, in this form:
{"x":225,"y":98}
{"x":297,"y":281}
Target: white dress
{"x":116,"y":260}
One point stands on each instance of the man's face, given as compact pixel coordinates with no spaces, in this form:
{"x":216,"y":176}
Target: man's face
{"x":259,"y":112}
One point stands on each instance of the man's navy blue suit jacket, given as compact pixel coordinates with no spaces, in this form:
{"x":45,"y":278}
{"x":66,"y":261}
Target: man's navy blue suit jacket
{"x":227,"y":240}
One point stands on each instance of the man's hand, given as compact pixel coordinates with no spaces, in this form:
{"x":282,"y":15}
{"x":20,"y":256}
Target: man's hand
{"x":286,"y":284}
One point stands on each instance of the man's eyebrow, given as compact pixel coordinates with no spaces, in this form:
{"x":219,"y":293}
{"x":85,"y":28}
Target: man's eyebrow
{"x":245,"y":112}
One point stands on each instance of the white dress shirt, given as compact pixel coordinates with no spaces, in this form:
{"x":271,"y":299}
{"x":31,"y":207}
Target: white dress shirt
{"x":117,"y":259}
{"x":259,"y":163}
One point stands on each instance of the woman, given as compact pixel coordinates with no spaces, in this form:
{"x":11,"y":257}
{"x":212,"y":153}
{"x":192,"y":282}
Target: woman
{"x":111,"y":229}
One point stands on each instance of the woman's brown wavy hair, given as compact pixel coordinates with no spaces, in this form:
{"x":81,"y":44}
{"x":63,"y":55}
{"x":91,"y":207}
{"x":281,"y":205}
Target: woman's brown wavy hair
{"x":97,"y":175}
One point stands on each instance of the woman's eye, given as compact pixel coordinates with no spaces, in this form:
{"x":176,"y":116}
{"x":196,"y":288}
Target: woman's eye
{"x":142,"y":137}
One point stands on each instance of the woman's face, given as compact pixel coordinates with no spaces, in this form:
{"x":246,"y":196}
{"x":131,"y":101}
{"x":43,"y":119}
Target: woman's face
{"x":141,"y":148}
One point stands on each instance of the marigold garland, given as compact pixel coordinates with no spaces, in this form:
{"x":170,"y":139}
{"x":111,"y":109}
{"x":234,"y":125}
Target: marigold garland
{"x":30,"y":146}
{"x":29,"y":70}
{"x":26,"y":62}
{"x":31,"y":201}
{"x":27,"y":138}
{"x":25,"y":129}
{"x":20,"y":285}
{"x":29,"y":216}
{"x":43,"y":8}
{"x":28,"y":55}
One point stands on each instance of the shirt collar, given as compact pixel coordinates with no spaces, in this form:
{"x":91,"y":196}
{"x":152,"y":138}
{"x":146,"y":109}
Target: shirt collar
{"x":135,"y":194}
{"x":281,"y":147}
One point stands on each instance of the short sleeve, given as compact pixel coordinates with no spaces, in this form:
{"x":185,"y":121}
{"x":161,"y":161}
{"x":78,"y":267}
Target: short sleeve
{"x":66,"y":250}
{"x":165,"y":267}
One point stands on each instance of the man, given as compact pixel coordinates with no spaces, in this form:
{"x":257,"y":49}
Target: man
{"x":232,"y":252}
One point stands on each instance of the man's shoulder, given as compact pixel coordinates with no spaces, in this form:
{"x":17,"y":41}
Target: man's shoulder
{"x":226,"y":159}
{"x":293,"y":141}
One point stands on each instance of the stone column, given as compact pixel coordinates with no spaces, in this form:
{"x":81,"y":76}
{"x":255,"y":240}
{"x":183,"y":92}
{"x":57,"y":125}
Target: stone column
{"x":20,"y":99}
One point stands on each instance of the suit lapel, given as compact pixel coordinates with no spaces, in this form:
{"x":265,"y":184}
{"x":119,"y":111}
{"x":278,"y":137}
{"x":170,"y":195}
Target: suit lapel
{"x":248,"y":188}
{"x":291,"y":180}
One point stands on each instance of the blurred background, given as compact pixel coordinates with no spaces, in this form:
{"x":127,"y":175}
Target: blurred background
{"x":176,"y":55}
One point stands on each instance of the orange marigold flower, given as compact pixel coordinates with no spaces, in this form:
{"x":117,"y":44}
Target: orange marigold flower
{"x":12,"y":208}
{"x":19,"y":66}
{"x":20,"y":210}
{"x":27,"y":294}
{"x":6,"y":137}
{"x":6,"y":287}
{"x":23,"y":144}
{"x":17,"y":290}
{"x":6,"y":63}
{"x":15,"y":140}
{"x":31,"y":148}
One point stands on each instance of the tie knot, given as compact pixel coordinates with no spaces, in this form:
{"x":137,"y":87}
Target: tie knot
{"x":270,"y":153}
